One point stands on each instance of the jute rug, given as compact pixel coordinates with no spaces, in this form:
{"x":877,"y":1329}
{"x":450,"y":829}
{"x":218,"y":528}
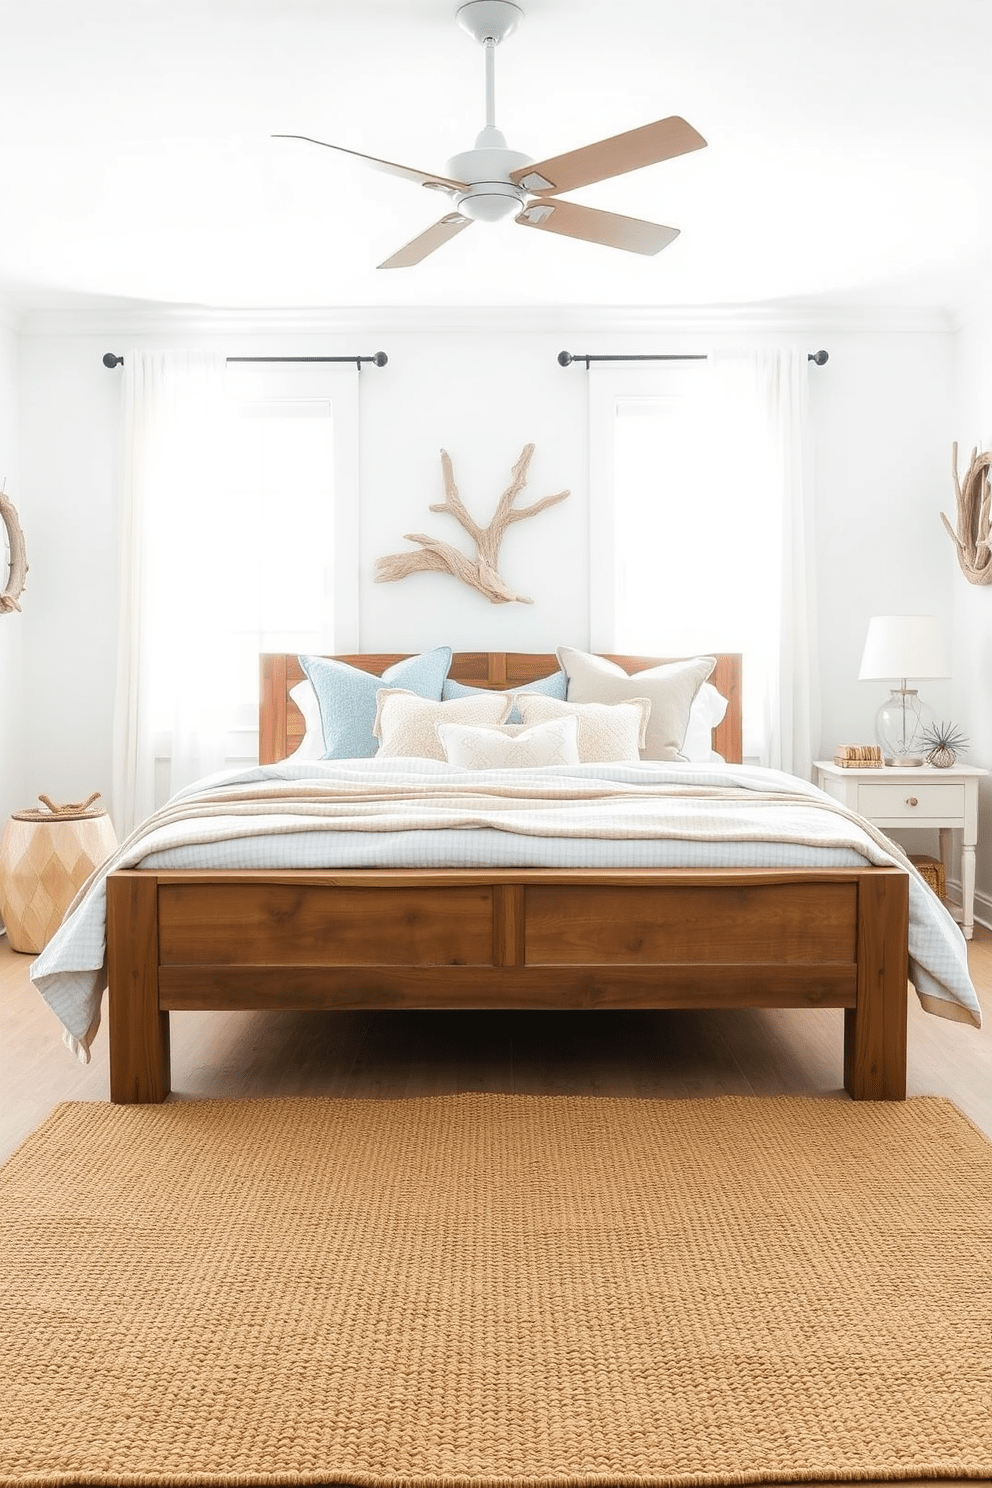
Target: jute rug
{"x":494,"y":1289}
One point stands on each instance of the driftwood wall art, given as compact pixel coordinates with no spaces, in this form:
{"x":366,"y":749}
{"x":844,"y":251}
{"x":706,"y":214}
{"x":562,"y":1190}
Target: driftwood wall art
{"x":17,"y":563}
{"x":974,"y":499}
{"x":442,"y":557}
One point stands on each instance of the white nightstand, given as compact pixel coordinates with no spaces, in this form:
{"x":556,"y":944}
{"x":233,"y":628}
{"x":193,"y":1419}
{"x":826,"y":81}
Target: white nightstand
{"x":921,"y":797}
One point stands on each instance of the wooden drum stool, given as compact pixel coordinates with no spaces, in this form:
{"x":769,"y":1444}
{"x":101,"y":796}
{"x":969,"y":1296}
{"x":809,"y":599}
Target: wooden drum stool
{"x":45,"y":857}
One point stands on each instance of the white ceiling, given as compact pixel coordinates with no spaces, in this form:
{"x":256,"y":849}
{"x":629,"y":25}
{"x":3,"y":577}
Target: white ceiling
{"x":848,"y":156}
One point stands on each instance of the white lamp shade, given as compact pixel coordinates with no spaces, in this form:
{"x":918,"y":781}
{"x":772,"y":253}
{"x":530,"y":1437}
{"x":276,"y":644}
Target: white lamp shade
{"x":903,"y":646}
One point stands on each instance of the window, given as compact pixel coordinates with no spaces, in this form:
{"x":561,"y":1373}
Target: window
{"x":692,"y":524}
{"x":240,"y":535}
{"x":277,"y":578}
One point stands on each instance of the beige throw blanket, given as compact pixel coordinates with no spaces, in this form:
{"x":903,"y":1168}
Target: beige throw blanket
{"x":622,"y":802}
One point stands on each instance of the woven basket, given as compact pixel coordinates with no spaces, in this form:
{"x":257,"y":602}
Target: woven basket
{"x":933,"y":871}
{"x":45,"y":857}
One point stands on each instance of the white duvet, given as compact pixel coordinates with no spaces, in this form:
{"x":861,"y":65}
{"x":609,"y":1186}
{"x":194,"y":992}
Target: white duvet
{"x":422,"y":814}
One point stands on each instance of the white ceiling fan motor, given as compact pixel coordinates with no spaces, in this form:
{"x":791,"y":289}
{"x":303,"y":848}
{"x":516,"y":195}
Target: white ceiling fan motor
{"x":491,"y":194}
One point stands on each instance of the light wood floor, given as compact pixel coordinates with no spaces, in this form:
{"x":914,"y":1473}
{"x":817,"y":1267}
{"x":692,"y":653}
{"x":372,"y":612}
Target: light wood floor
{"x":389,"y":1054}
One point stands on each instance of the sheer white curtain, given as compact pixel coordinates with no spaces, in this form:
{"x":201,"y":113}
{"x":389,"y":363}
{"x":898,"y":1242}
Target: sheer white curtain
{"x":175,"y":415}
{"x":700,"y":491}
{"x":239,"y":532}
{"x":781,"y":381}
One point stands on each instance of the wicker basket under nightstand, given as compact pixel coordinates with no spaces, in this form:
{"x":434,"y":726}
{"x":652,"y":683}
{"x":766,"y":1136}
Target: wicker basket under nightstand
{"x":932,"y":869}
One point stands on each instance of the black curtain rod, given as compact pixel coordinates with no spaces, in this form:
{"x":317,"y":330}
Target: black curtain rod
{"x":566,"y":358}
{"x":380,"y":359}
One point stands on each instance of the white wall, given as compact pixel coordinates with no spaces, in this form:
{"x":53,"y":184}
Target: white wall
{"x":971,"y":606}
{"x":482,"y":397}
{"x":69,"y":464}
{"x":13,"y":731}
{"x":481,"y":385}
{"x":882,"y":411}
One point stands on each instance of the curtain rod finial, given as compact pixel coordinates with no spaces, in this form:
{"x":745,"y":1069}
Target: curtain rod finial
{"x":565,"y":359}
{"x":109,"y":360}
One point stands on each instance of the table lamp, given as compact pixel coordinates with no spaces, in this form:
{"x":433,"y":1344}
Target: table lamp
{"x":902,"y":647}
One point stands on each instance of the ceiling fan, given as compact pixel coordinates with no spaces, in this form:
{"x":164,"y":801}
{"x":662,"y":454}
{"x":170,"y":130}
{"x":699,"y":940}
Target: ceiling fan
{"x":491,"y":181}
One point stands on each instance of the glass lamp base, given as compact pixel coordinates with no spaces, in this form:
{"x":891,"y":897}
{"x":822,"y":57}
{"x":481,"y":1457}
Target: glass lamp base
{"x":900,"y":724}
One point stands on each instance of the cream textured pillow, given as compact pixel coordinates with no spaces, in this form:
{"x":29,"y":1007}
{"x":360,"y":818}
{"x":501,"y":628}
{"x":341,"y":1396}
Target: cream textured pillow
{"x":405,"y":723}
{"x":608,"y":732}
{"x":510,"y":748}
{"x":670,"y":687}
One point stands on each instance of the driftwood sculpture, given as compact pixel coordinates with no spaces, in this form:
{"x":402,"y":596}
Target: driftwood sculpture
{"x":442,"y":557}
{"x":974,"y":499}
{"x":18,"y":564}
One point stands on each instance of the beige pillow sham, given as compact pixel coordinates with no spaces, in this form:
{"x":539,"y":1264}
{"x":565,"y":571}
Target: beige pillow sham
{"x":405,"y":723}
{"x":513,"y":747}
{"x":670,"y":688}
{"x":608,"y":733}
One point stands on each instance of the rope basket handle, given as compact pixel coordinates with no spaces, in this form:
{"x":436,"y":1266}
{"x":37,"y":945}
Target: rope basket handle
{"x":69,"y":808}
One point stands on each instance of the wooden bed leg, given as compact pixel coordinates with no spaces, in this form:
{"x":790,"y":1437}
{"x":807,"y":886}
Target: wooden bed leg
{"x":875,"y":1030}
{"x":139,"y":1032}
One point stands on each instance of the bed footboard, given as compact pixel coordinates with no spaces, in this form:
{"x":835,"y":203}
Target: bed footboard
{"x":533,"y":938}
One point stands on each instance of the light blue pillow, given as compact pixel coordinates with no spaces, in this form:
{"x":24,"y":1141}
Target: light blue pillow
{"x":553,"y":686}
{"x":346,"y":697}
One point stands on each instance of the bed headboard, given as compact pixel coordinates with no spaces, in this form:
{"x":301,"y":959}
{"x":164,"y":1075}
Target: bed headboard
{"x":280,"y":723}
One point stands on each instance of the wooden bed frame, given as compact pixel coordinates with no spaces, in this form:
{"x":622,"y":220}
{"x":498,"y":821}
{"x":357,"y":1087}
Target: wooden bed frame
{"x":513,"y":938}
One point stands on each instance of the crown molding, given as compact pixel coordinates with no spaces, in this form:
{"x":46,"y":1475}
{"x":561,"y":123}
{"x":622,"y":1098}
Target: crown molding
{"x":803,"y":318}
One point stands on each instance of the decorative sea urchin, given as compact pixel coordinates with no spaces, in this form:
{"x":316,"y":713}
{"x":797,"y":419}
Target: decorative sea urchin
{"x":943,"y":743}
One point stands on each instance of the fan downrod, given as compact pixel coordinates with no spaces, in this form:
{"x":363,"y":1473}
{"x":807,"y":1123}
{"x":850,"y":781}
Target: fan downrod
{"x":491,"y":194}
{"x":489,"y":20}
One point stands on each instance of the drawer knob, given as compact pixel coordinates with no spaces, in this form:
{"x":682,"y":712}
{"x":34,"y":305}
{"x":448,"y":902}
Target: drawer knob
{"x":912,"y":801}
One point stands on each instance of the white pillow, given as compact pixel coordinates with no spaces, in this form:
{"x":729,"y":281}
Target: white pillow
{"x":312,"y":745}
{"x":608,"y":732}
{"x":670,"y":688}
{"x":708,"y":709}
{"x":514,"y":747}
{"x":405,"y":722}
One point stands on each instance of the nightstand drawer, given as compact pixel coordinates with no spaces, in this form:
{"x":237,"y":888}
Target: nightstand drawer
{"x":908,"y":801}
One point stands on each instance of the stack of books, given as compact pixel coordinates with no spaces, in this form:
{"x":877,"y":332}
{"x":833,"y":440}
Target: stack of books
{"x":858,"y":756}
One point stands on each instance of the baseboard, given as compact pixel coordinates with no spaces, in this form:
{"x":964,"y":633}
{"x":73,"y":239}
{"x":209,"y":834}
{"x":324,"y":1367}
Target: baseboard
{"x":983,"y":908}
{"x":983,"y":903}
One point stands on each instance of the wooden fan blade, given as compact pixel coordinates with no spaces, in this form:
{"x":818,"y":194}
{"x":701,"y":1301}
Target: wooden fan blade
{"x":419,"y":247}
{"x":662,"y":140}
{"x":422,"y":178}
{"x":608,"y":228}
